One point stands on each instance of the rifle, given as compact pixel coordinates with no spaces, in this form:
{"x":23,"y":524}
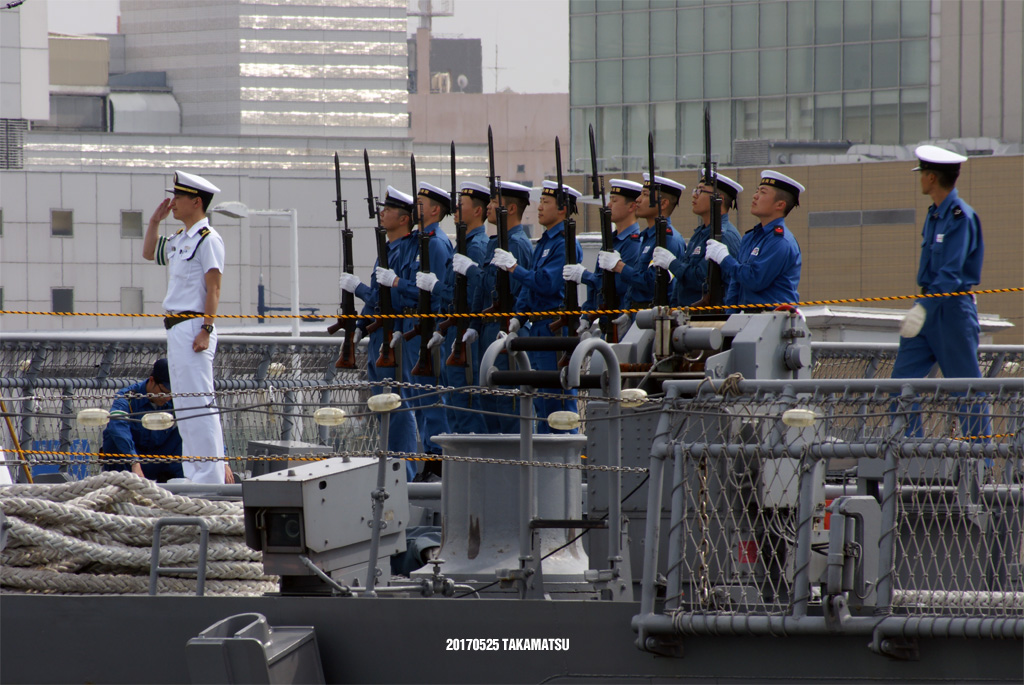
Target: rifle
{"x":459,"y":356}
{"x":609,"y":293}
{"x":571,"y":299}
{"x":425,"y":328}
{"x":347,"y":359}
{"x":387,"y":353}
{"x":660,"y":229}
{"x":502,"y":282}
{"x":714,"y":279}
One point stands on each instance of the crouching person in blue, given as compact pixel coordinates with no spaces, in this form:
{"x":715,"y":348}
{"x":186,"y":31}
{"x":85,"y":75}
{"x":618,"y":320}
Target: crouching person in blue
{"x":129,"y":436}
{"x":944,"y":330}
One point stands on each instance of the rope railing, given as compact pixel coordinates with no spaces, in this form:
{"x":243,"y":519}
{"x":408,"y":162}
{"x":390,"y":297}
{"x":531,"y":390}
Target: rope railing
{"x":542,"y":314}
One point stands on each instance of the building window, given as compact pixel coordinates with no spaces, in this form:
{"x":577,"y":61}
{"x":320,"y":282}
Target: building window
{"x":62,"y":299}
{"x":62,"y":222}
{"x":131,"y":300}
{"x":131,"y":223}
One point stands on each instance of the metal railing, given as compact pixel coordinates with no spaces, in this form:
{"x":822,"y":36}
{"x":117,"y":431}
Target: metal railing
{"x":898,"y":506}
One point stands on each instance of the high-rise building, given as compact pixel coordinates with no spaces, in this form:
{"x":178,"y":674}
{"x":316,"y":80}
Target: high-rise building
{"x":883,"y":72}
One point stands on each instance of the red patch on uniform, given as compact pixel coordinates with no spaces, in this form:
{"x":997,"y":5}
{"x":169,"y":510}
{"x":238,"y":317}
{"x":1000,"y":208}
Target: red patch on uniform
{"x":778,"y":230}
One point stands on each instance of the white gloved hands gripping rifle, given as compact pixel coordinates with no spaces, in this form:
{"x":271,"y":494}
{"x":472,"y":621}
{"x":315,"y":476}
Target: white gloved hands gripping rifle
{"x":716,"y":251}
{"x":385,"y":277}
{"x":573,"y":272}
{"x":426,"y":281}
{"x":503,"y":259}
{"x":348,"y":282}
{"x":607,"y":261}
{"x":461,"y":264}
{"x":662,"y":258}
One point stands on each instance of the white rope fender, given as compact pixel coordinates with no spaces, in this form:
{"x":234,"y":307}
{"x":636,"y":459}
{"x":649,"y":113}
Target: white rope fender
{"x":95,"y":536}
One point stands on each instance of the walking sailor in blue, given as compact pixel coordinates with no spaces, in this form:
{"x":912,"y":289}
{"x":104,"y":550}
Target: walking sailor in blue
{"x":944,"y":330}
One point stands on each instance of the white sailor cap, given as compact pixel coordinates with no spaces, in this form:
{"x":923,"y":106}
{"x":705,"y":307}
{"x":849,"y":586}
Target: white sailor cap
{"x":551,"y":188}
{"x":782,"y":182}
{"x":628,"y":189}
{"x":518,"y":190}
{"x":934,"y":158}
{"x":191,"y":184}
{"x":396,"y":198}
{"x":724,"y":183}
{"x":438,"y":195}
{"x":665,"y":185}
{"x":475,"y":191}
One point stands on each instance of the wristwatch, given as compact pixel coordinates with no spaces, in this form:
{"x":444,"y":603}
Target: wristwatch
{"x":208,"y":327}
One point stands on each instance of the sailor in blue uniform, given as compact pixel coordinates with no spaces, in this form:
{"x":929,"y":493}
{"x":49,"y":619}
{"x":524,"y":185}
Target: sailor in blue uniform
{"x":767,"y":268}
{"x":622,"y":202}
{"x":131,"y":437}
{"x":515,"y":198}
{"x":433,"y":204}
{"x":642,"y":276}
{"x":690,"y":272}
{"x":945,"y":330}
{"x":543,"y":288}
{"x":396,"y":220}
{"x":473,"y":201}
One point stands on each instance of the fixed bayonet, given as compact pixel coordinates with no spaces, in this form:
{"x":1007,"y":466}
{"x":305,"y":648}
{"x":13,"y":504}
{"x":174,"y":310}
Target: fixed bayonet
{"x":347,"y":358}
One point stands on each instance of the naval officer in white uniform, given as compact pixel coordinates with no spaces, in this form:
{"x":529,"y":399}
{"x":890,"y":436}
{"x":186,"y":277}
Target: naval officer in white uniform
{"x":194,"y":257}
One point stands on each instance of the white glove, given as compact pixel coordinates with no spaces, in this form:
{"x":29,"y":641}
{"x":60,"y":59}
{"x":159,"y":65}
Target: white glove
{"x":425,"y":281}
{"x":348,"y":282}
{"x":396,"y":337}
{"x":435,"y":340}
{"x":662,"y":258}
{"x":715,"y":251}
{"x":513,"y":325}
{"x":385,"y":277}
{"x":503,"y":259}
{"x":583,"y":328}
{"x":462,"y":264}
{"x":470,"y":336}
{"x":913,"y":321}
{"x":608,"y":260}
{"x":573,"y":272}
{"x":357,"y":335}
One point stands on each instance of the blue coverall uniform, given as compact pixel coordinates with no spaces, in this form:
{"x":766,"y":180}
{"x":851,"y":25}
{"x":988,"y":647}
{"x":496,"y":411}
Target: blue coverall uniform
{"x":543,"y":289}
{"x":460,"y":376}
{"x":627,"y":244}
{"x":952,"y":251}
{"x":690,"y":272}
{"x":131,"y":437}
{"x":642,"y":277}
{"x":522,"y":249}
{"x":430,"y":420}
{"x":402,"y":426}
{"x":766,"y":268}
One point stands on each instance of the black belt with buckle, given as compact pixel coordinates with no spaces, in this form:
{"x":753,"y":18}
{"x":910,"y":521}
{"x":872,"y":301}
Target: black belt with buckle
{"x":174,"y":319}
{"x":410,"y":310}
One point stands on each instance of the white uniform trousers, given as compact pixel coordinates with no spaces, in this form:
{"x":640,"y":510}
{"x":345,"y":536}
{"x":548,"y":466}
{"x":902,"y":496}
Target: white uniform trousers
{"x":199,"y":425}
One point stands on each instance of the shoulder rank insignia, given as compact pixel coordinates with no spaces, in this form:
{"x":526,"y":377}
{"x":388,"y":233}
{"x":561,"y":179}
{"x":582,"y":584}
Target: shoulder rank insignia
{"x":779,"y":230}
{"x":957,"y":212}
{"x":179,"y":230}
{"x":634,"y":236}
{"x":203,"y":232}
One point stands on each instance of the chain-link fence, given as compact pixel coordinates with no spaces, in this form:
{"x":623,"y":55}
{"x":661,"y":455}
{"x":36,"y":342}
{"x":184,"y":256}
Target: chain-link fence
{"x":927,"y":488}
{"x":267,"y":389}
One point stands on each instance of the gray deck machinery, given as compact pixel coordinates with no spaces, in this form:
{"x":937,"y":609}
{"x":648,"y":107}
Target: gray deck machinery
{"x":732,"y":481}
